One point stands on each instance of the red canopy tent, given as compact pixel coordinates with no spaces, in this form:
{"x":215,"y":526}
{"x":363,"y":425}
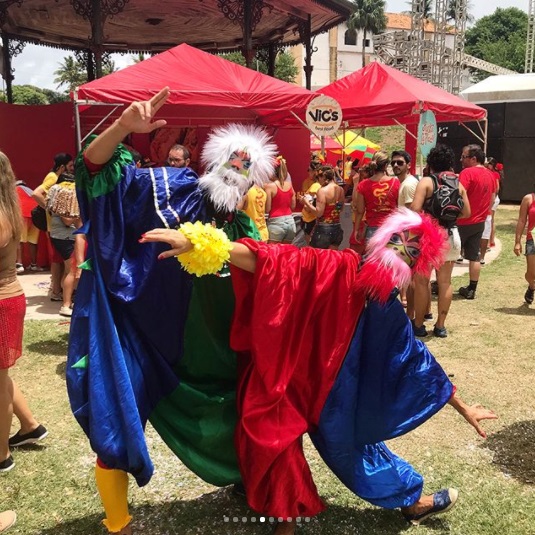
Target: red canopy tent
{"x":378,"y":95}
{"x":205,"y":90}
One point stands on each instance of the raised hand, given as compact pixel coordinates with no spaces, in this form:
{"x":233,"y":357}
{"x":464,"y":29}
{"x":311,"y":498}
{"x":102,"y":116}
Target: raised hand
{"x":138,"y":117}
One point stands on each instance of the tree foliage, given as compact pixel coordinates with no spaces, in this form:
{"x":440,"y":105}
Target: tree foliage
{"x":285,"y":67}
{"x":499,"y":38}
{"x":72,"y":73}
{"x":31,"y":95}
{"x":369,"y":16}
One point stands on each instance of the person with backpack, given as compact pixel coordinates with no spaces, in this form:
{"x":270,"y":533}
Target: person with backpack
{"x":443,"y":197}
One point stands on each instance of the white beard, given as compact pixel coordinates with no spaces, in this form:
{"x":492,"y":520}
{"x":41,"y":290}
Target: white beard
{"x":225,"y":189}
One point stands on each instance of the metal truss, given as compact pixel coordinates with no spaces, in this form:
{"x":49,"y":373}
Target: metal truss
{"x":530,"y":43}
{"x":428,"y":57}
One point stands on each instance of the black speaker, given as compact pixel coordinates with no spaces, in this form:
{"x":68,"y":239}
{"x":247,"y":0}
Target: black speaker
{"x":519,"y":119}
{"x":518,"y":181}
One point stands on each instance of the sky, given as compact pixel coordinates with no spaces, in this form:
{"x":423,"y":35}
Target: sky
{"x":36,"y":64}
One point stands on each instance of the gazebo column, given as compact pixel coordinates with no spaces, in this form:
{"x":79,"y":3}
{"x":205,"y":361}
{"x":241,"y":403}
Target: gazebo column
{"x":272,"y":57}
{"x":85,"y":58}
{"x":246,"y":13}
{"x":96,"y":12}
{"x":10,"y":49}
{"x":304,"y":27}
{"x":248,"y":52}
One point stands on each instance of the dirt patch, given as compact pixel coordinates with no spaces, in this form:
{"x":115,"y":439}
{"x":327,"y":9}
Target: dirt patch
{"x":514,"y":452}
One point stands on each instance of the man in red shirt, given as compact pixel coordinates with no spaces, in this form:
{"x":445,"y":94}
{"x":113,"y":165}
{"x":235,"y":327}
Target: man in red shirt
{"x":479,"y":184}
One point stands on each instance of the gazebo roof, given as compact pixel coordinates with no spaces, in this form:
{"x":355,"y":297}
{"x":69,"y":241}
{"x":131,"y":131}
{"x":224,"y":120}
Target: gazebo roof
{"x":145,"y":25}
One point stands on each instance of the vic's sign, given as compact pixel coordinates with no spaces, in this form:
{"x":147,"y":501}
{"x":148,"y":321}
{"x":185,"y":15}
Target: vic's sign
{"x":324,"y":116}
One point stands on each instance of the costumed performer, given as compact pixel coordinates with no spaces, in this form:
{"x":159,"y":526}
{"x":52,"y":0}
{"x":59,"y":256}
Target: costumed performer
{"x":394,"y":343}
{"x":369,"y":381}
{"x":148,"y":340}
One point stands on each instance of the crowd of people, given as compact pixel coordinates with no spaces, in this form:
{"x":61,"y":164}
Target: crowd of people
{"x":456,"y":209}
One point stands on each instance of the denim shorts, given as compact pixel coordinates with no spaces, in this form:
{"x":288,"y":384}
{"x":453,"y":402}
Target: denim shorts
{"x":530,"y":248}
{"x":370,"y":231}
{"x":326,"y":235}
{"x":282,"y":228}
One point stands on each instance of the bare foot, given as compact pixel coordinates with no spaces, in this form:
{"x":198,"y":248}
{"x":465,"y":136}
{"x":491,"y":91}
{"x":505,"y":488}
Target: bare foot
{"x":286,"y":528}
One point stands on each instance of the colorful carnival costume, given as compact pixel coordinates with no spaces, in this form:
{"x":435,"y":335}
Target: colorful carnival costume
{"x":349,"y":387}
{"x":145,"y":342}
{"x":150,"y":342}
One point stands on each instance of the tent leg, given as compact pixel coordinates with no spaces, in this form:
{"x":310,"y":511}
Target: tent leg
{"x":77,"y":127}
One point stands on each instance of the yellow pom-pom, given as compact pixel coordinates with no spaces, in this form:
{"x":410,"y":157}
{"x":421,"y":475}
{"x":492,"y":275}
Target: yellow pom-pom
{"x":211,"y":249}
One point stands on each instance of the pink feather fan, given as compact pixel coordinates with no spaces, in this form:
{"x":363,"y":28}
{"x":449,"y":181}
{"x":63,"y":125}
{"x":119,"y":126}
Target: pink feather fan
{"x":384,"y":269}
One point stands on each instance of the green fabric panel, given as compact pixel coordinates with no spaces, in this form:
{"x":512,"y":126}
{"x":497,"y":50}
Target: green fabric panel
{"x":87,"y":265}
{"x":82,"y":363}
{"x":197,"y":420}
{"x":242,"y":226}
{"x":107,"y":178}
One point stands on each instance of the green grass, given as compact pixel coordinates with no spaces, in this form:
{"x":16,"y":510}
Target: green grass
{"x":489,"y":353}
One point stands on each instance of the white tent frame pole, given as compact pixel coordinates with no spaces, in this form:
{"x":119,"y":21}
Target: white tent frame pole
{"x":77,"y":127}
{"x":482,"y":139}
{"x":115,"y":107}
{"x":404,"y":126}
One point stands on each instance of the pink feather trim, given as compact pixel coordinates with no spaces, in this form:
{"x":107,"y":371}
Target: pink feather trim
{"x":384,"y":270}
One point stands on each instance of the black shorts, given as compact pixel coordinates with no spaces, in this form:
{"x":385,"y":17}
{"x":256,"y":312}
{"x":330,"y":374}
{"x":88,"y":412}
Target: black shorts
{"x":308,"y":227}
{"x":65,"y":248}
{"x":326,"y":235}
{"x":471,"y":240}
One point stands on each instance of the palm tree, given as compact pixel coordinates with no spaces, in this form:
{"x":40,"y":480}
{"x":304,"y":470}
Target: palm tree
{"x":139,"y":58}
{"x":369,"y":16}
{"x":427,"y":10}
{"x":70,"y":73}
{"x":452,"y":7}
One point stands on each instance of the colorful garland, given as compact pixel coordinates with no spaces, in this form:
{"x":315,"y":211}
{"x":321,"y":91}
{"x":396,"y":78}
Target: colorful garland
{"x":211,"y":249}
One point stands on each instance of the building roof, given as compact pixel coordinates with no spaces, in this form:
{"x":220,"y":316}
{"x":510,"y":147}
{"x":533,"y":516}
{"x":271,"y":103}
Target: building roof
{"x":144,"y":25}
{"x":402,"y":21}
{"x":502,"y":88}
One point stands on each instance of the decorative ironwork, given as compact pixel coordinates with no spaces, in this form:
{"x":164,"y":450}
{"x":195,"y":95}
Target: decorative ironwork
{"x":263,"y":52}
{"x":108,"y":8}
{"x":4,"y":5}
{"x":15,"y":47}
{"x":234,"y":10}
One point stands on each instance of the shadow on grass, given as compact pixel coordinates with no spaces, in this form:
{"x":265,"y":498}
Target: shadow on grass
{"x":56,"y":346}
{"x":61,"y":369}
{"x":513,"y":450}
{"x":219,"y":512}
{"x":522,"y":310}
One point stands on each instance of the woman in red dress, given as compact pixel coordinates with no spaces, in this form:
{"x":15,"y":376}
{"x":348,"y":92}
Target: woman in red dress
{"x":12,"y":310}
{"x":376,"y":197}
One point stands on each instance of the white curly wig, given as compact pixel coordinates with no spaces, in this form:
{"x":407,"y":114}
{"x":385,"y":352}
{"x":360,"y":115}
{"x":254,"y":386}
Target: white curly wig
{"x":226,"y":187}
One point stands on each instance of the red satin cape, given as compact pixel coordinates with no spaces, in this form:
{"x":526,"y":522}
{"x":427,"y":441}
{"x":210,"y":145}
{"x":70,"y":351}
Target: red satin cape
{"x":293,"y":323}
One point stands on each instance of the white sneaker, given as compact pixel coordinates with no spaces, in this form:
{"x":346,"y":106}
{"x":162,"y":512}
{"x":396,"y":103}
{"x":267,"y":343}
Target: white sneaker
{"x":20,"y":268}
{"x":35,"y":268}
{"x":65,"y":311}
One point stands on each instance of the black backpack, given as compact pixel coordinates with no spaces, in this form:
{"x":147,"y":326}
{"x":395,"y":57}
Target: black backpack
{"x":446,"y":203}
{"x":39,"y":218}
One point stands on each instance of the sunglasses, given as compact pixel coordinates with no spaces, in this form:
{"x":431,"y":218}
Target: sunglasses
{"x":398,"y":162}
